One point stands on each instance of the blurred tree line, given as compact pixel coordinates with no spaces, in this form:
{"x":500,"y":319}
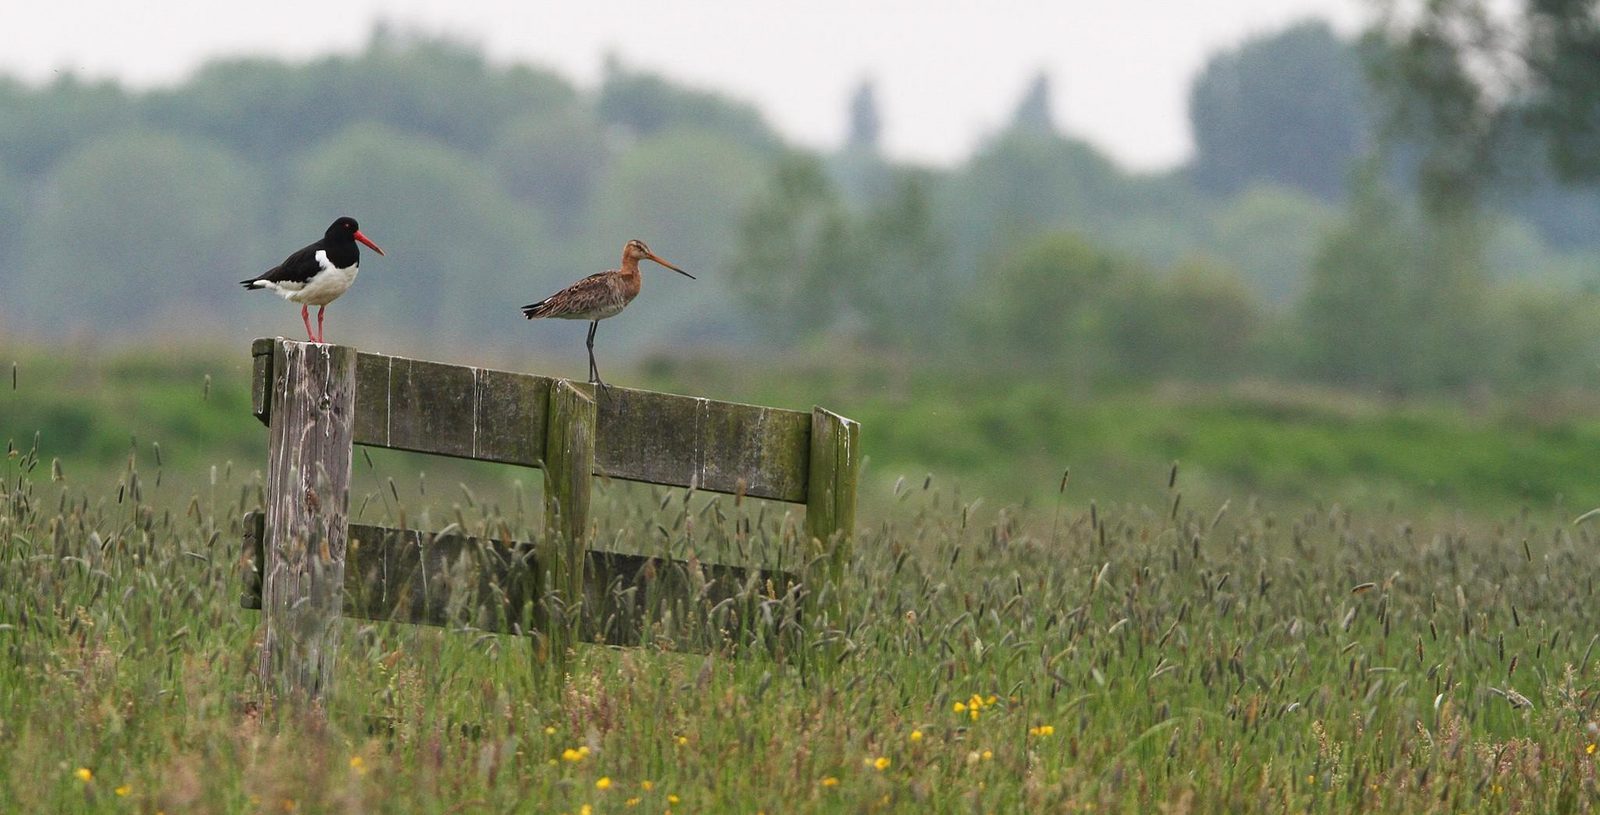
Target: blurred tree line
{"x":1299,"y":241}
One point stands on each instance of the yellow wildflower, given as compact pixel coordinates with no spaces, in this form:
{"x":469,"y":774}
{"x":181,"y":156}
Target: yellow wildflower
{"x":584,"y":751}
{"x":358,"y":764}
{"x":673,"y":799}
{"x":991,"y":700}
{"x":1590,"y":749}
{"x":881,"y":763}
{"x":604,"y":783}
{"x":987,"y":755}
{"x":586,"y":810}
{"x":1042,"y":730}
{"x":631,"y":802}
{"x":682,"y":740}
{"x":550,"y":730}
{"x":122,"y":791}
{"x":830,"y":781}
{"x":647,"y":785}
{"x":84,"y":774}
{"x":974,"y":713}
{"x":916,"y":735}
{"x":570,"y":754}
{"x":959,"y":707}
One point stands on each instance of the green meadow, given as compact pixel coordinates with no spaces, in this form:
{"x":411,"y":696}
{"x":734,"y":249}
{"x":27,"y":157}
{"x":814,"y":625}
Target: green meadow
{"x":1330,"y":604}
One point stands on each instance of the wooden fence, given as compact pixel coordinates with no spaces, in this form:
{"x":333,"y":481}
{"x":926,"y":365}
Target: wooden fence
{"x":308,"y":565}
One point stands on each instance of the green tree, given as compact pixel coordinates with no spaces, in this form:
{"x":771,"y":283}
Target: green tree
{"x":1033,"y":115}
{"x":12,"y":202}
{"x":1020,"y":185}
{"x":901,"y":283}
{"x":1288,"y":108}
{"x":1045,"y":303}
{"x":461,"y":252}
{"x":39,"y":126}
{"x":794,"y":252}
{"x":446,"y":91}
{"x":1395,"y":301}
{"x":553,"y":163}
{"x":1547,"y":338}
{"x":645,"y":105}
{"x":866,"y":123}
{"x":1474,"y":87}
{"x":681,"y":192}
{"x":1270,"y":234}
{"x":1198,"y":323}
{"x":138,"y":229}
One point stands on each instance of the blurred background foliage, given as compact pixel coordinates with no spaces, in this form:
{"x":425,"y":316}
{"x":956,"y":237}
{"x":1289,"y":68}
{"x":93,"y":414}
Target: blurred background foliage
{"x":1332,"y":226}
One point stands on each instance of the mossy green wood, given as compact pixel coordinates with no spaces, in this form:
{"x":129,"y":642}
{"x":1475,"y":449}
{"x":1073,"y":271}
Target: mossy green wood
{"x":831,"y":493}
{"x":312,"y":407}
{"x":450,"y":579}
{"x":568,"y":473}
{"x":490,"y":415}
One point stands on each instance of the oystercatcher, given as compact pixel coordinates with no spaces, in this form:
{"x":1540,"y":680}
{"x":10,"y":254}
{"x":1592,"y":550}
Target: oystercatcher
{"x":599,"y":296}
{"x":319,"y":273}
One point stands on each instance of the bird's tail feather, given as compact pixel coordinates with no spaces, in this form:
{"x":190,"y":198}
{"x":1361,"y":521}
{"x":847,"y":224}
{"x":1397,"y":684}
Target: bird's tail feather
{"x":534,"y":310}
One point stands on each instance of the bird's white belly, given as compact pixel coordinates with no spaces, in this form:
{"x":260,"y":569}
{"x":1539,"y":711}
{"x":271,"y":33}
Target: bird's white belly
{"x":323,"y":288}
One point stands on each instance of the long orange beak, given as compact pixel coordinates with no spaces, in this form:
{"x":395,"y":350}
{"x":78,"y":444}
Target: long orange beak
{"x":670,"y":266}
{"x":368,"y":241}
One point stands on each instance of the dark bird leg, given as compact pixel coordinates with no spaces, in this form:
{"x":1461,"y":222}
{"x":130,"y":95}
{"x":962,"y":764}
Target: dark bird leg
{"x":305,"y":317}
{"x":594,"y":371}
{"x":320,"y":309}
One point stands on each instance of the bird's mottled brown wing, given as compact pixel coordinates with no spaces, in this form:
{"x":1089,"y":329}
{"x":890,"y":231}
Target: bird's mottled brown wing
{"x":591,"y":298}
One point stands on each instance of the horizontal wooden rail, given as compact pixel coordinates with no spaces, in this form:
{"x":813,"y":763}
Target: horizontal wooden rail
{"x":658,"y":438}
{"x":406,"y":576}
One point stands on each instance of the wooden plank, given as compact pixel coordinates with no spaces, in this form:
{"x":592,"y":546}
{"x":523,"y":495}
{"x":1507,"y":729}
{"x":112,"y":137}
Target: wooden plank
{"x":261,"y":379}
{"x":308,"y":495}
{"x":658,"y":438}
{"x":254,"y":527}
{"x":684,"y":441}
{"x":568,"y":476}
{"x":440,"y":579}
{"x":421,"y":578}
{"x":450,"y":410}
{"x":831,"y":505}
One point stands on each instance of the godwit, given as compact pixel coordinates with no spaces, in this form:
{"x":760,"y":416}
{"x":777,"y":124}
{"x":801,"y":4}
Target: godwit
{"x":599,"y":296}
{"x":317,"y":274}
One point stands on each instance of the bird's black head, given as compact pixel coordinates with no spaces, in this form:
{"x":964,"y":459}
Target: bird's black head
{"x":345,"y":229}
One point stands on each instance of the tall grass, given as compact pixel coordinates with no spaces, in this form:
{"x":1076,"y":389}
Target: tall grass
{"x":1085,"y":658}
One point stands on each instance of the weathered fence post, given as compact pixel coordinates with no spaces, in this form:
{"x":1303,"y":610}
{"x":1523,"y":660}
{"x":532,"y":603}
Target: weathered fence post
{"x":568,"y":473}
{"x":831,"y":492}
{"x":310,"y":409}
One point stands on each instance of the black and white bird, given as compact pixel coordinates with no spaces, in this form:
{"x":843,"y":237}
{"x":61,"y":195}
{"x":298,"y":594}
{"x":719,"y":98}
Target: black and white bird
{"x":319,"y":273}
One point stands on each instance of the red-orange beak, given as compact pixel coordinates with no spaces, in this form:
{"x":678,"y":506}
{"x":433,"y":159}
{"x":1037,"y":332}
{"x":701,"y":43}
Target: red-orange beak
{"x":368,"y":241}
{"x":670,"y":266}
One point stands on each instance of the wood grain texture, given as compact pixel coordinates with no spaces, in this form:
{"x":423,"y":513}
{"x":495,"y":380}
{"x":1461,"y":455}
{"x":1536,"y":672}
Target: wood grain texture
{"x":831,"y":495}
{"x":447,"y":579}
{"x":568,"y":476}
{"x":261,"y":352}
{"x":308,"y":491}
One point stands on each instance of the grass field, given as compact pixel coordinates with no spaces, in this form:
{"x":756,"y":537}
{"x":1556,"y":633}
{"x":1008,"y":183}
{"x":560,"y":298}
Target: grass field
{"x":1194,"y":648}
{"x":1213,"y":659}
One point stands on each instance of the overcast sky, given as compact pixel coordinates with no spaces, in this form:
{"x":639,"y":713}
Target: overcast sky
{"x":948,"y":71}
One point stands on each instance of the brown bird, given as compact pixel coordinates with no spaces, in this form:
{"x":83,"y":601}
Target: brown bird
{"x":599,"y":296}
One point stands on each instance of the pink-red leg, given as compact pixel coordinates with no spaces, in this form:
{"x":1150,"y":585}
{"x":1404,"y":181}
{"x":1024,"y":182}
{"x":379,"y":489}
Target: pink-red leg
{"x":320,"y":309}
{"x":305,"y":316}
